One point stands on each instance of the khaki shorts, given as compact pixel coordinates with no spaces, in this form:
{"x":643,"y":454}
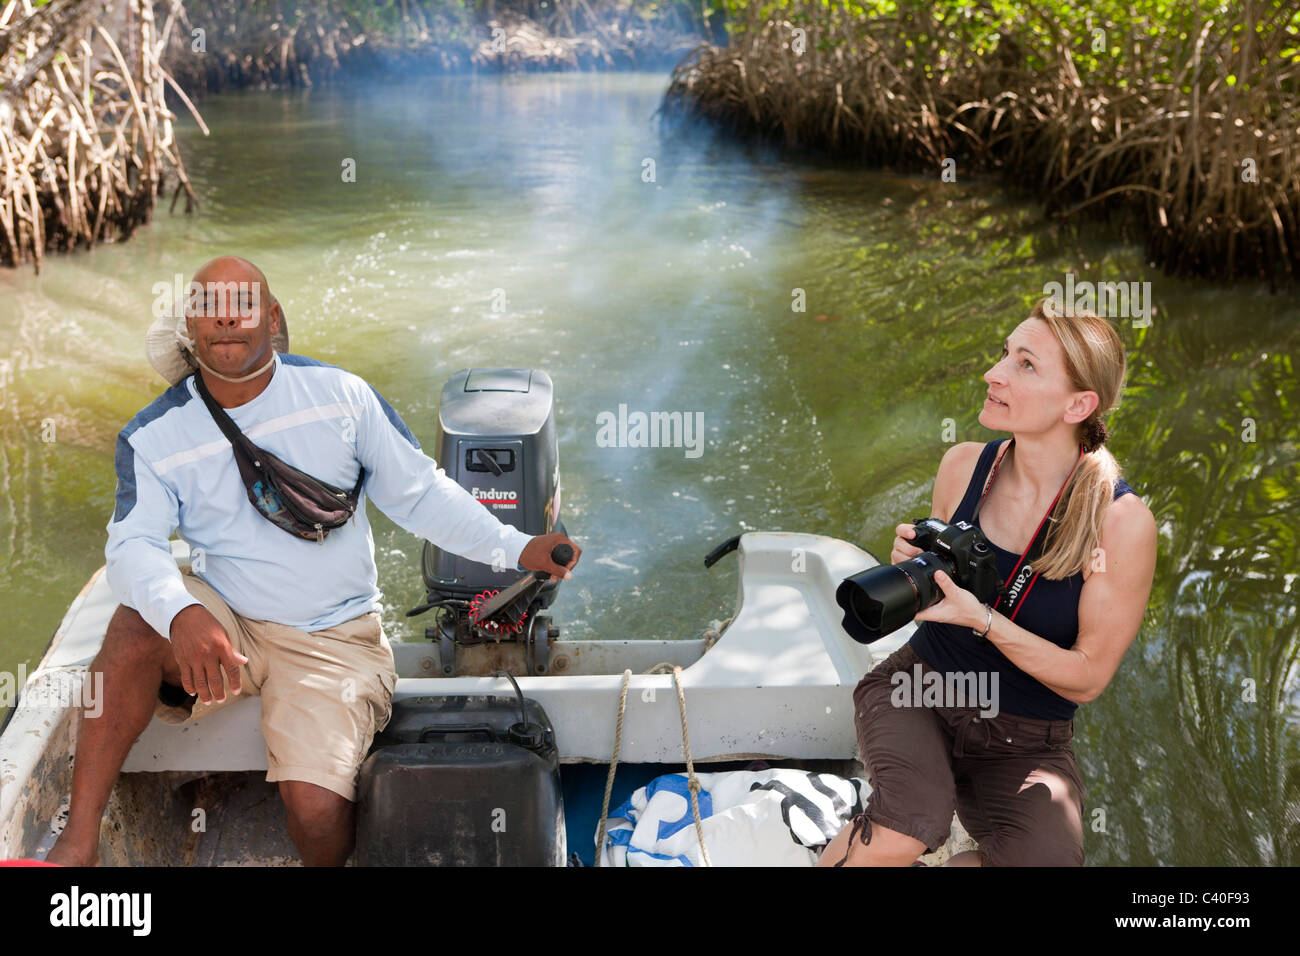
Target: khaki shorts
{"x":1012,"y":780}
{"x":325,"y":694}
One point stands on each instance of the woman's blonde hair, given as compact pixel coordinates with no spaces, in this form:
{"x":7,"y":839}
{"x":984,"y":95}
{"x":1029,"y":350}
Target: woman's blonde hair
{"x":1094,"y":361}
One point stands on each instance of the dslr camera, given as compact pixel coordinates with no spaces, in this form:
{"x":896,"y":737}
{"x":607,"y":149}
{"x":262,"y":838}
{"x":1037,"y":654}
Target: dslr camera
{"x":880,"y":600}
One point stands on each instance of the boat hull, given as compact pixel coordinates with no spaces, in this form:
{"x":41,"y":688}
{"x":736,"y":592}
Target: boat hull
{"x":775,"y":684}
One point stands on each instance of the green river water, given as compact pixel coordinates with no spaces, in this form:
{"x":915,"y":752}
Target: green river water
{"x":508,"y":221}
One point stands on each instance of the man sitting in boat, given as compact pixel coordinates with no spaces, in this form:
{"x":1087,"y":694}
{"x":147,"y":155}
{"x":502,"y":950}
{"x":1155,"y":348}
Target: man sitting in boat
{"x":262,"y":610}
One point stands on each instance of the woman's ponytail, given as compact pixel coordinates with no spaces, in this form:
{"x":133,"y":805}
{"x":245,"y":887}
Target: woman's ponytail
{"x":1095,"y":361}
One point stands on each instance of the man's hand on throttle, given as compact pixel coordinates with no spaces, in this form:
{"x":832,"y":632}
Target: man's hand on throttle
{"x":536,"y":555}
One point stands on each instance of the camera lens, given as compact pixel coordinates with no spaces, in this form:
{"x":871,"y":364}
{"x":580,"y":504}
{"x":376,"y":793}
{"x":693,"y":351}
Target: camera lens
{"x":877,"y":601}
{"x":880,"y":600}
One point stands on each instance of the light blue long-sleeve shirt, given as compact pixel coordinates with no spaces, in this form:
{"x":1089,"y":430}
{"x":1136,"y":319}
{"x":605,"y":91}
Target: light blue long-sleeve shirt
{"x":176,"y":470}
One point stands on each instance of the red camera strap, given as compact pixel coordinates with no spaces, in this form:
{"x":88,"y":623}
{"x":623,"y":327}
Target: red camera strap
{"x":1023,"y":575}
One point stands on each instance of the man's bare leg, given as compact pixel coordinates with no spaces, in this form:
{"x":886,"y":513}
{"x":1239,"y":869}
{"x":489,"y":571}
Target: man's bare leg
{"x":321,"y":822}
{"x":134,"y":660}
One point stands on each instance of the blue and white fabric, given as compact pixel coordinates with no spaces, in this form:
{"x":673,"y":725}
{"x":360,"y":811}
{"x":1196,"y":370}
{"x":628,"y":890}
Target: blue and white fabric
{"x":775,"y":817}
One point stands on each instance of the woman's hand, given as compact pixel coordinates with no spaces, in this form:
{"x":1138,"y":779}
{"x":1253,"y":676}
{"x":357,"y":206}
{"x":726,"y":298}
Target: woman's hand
{"x":958,"y":606}
{"x":903,"y":549}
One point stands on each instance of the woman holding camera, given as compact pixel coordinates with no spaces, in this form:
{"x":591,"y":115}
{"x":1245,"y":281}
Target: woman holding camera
{"x":1011,"y":777}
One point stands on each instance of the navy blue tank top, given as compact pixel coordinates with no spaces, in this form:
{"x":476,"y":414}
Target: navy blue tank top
{"x":1051,"y":610}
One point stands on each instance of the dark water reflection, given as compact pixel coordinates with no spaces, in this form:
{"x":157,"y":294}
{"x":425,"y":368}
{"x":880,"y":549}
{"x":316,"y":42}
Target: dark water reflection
{"x":676,"y":295}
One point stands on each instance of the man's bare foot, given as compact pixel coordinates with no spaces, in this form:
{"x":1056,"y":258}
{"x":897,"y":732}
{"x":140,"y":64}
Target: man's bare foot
{"x":66,"y":853}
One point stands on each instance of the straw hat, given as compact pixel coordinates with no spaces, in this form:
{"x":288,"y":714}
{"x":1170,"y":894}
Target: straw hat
{"x":168,"y":346}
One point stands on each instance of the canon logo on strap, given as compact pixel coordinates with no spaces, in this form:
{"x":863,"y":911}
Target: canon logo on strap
{"x":1025,"y":574}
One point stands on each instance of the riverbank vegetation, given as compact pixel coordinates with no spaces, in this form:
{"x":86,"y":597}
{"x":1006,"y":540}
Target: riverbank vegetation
{"x":1175,"y":121}
{"x":89,"y":89}
{"x":86,"y":137}
{"x":240,"y":43}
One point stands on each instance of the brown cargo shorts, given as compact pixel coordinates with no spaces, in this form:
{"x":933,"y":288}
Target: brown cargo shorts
{"x":1012,"y":780}
{"x":325,"y":694}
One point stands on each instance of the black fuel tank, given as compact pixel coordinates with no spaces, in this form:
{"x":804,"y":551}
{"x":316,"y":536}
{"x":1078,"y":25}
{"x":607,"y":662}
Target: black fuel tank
{"x":452,"y":781}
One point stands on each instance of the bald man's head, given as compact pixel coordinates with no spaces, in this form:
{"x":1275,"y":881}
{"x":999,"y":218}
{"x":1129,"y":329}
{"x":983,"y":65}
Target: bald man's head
{"x":226,"y":268}
{"x":232,"y":316}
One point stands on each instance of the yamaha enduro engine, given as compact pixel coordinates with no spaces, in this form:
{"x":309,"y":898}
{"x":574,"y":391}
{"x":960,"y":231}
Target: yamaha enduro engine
{"x":496,"y":438}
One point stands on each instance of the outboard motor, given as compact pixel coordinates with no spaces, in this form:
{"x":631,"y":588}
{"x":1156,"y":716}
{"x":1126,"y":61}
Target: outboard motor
{"x":496,"y":438}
